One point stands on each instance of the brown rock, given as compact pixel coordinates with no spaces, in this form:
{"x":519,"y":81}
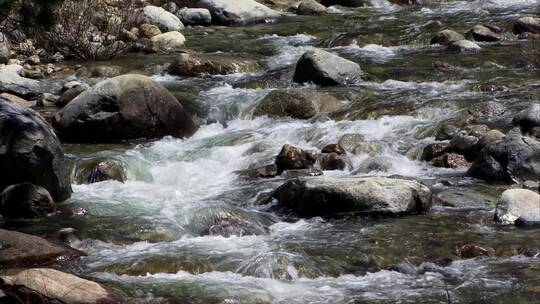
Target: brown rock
{"x":451,"y":160}
{"x":469,"y":251}
{"x":291,"y":157}
{"x":435,"y":150}
{"x":333,"y":148}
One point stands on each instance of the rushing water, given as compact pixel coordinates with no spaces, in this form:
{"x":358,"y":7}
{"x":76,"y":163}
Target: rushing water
{"x":146,"y":237}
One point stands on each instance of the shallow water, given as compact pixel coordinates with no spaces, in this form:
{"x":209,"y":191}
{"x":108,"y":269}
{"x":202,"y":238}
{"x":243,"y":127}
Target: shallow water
{"x":146,"y":237}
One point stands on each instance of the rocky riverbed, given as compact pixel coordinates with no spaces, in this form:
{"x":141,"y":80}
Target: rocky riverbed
{"x":278,"y":152}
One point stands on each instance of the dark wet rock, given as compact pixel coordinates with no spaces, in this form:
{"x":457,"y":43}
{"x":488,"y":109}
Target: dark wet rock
{"x":528,"y":118}
{"x":350,"y":141}
{"x":334,"y":148}
{"x":195,"y":16}
{"x":346,"y":3}
{"x":446,"y":37}
{"x":228,"y":225}
{"x":529,"y":219}
{"x":149,"y":30}
{"x":159,"y":17}
{"x":515,"y":203}
{"x":12,"y":82}
{"x":295,"y":173}
{"x":319,"y":196}
{"x":469,"y":251}
{"x":228,"y":12}
{"x":512,"y":158}
{"x":374,"y":164}
{"x":47,"y":285}
{"x":267,"y":171}
{"x":310,"y":7}
{"x":434,"y":150}
{"x":291,"y":157}
{"x":486,"y":111}
{"x":528,"y":24}
{"x":464,"y":143}
{"x":333,"y":161}
{"x":464,"y":46}
{"x":70,"y":94}
{"x":535,"y":132}
{"x":195,"y":65}
{"x":170,"y":7}
{"x":107,"y":170}
{"x":482,"y":33}
{"x":24,"y":250}
{"x":326,"y":69}
{"x":25,"y":200}
{"x":105,"y":71}
{"x":451,"y":160}
{"x":67,"y":235}
{"x":301,"y":104}
{"x":30,"y":152}
{"x":123,"y":108}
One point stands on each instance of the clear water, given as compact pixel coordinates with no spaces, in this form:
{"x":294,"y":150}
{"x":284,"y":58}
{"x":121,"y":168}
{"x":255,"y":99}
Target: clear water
{"x":145,"y":237}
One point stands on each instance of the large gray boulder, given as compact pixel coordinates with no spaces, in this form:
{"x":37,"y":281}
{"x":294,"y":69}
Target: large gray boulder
{"x":24,"y":250}
{"x":123,"y":108}
{"x":12,"y":82}
{"x":161,"y":18}
{"x":515,"y":203}
{"x":299,"y":104}
{"x":326,"y":69}
{"x":195,"y":16}
{"x":509,"y":159}
{"x":228,"y":12}
{"x":528,"y":24}
{"x":30,"y":152}
{"x":320,"y":196}
{"x":57,"y":286}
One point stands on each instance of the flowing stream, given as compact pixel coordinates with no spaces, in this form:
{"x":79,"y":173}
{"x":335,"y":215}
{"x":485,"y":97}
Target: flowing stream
{"x":148,"y":238}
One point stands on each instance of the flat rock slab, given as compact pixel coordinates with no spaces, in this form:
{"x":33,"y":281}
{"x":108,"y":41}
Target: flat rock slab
{"x":60,"y":286}
{"x":320,"y":196}
{"x":22,"y":250}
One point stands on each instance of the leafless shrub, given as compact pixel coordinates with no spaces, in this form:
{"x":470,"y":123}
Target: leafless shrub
{"x":89,"y":29}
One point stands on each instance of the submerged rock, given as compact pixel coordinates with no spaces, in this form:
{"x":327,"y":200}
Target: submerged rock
{"x":515,"y":203}
{"x":123,"y":108}
{"x":291,"y":157}
{"x":37,"y":284}
{"x":333,"y":148}
{"x":299,"y":104}
{"x":24,"y":250}
{"x":161,"y":18}
{"x":350,"y":141}
{"x":30,"y":152}
{"x":512,"y":158}
{"x":170,"y":42}
{"x":469,"y":251}
{"x":295,"y":173}
{"x":482,"y":33}
{"x":228,"y":12}
{"x":267,"y":171}
{"x":326,"y":69}
{"x":25,"y":200}
{"x":374,"y":164}
{"x":70,"y":94}
{"x":320,"y":196}
{"x":228,"y":225}
{"x":446,"y":37}
{"x":346,"y":3}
